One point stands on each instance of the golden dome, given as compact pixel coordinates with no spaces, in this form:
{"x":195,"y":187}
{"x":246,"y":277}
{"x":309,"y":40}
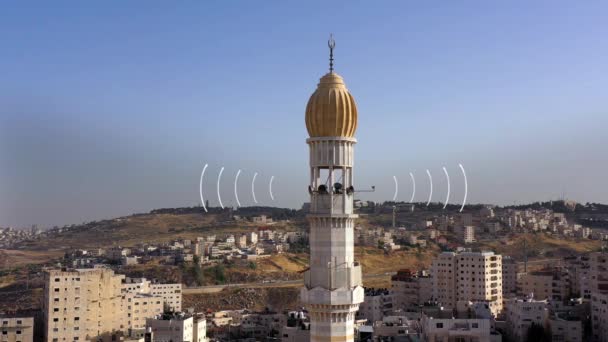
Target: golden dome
{"x":331,"y":110}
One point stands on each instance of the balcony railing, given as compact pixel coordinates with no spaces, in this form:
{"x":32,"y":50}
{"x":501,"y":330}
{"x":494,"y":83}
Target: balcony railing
{"x":322,"y":204}
{"x":343,"y":276}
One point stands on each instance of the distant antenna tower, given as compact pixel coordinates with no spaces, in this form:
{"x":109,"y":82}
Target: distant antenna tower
{"x":525,"y":256}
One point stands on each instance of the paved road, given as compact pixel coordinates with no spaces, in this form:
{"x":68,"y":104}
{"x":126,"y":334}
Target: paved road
{"x":281,"y":283}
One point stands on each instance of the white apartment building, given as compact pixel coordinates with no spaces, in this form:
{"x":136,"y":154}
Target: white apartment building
{"x":176,"y":328}
{"x":241,"y":241}
{"x":580,"y":275}
{"x":479,"y":279}
{"x":468,"y":276}
{"x":171,"y":293}
{"x":567,"y":330}
{"x":409,"y":290}
{"x":598,"y":263}
{"x":87,"y":303}
{"x":377,"y":303}
{"x":466,"y":330}
{"x":467,"y":234}
{"x":521,"y":313}
{"x":599,"y":316}
{"x":82,"y":304}
{"x":546,"y":284}
{"x":138,"y":308}
{"x":16,"y":329}
{"x":252,"y":238}
{"x":510,"y":274}
{"x":443,"y":271}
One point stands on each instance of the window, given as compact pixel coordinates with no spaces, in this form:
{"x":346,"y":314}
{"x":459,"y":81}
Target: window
{"x":19,"y":322}
{"x":439,"y":325}
{"x":18,"y":332}
{"x":475,"y":325}
{"x":57,"y":280}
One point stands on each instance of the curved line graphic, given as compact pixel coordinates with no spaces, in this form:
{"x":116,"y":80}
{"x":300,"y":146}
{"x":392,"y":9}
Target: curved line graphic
{"x":396,"y":188}
{"x":236,"y":193}
{"x":270,"y":187}
{"x":219,"y":177}
{"x":413,"y":187}
{"x":201,"y":187}
{"x":431,"y":191}
{"x":447,"y":177}
{"x":466,"y":187}
{"x":253,"y":187}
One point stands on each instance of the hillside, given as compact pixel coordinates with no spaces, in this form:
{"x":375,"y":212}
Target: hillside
{"x":157,"y":226}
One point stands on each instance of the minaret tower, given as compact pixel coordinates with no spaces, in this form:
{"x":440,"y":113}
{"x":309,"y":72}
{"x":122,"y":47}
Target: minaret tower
{"x":332,"y":286}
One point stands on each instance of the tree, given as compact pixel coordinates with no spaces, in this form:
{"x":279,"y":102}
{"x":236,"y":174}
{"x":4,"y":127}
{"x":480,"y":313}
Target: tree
{"x":220,"y":275}
{"x":198,"y":271}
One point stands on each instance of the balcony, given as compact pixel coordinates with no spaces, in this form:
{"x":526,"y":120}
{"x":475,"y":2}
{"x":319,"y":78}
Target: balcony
{"x":322,"y":204}
{"x":342,"y":276}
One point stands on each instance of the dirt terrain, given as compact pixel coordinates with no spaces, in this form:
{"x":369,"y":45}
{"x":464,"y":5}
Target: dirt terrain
{"x":277,"y":299}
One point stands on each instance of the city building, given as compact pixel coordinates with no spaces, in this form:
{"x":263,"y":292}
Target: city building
{"x":467,"y":234}
{"x":175,"y":327}
{"x":598,"y":263}
{"x":565,"y":328}
{"x":171,"y":294}
{"x":599,"y":316}
{"x":550,"y":284}
{"x":377,"y":304}
{"x":332,"y":288}
{"x":522,"y":313}
{"x":82,"y":304}
{"x":138,"y":308}
{"x":458,"y":329}
{"x":468,"y":276}
{"x":510,"y":275}
{"x":16,"y":329}
{"x":410,"y":289}
{"x":443,"y":272}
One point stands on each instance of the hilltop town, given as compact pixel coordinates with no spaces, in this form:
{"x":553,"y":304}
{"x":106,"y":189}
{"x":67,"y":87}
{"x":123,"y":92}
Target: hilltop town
{"x":237,"y":272}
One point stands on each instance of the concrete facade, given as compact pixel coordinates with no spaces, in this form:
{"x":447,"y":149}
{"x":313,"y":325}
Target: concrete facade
{"x":82,"y":304}
{"x":521,"y":314}
{"x":16,"y":329}
{"x":175,"y":328}
{"x":468,"y":276}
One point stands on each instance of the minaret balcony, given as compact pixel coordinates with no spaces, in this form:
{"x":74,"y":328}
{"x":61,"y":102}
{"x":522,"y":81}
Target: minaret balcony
{"x":331,"y":204}
{"x":332,"y":278}
{"x":323,"y":296}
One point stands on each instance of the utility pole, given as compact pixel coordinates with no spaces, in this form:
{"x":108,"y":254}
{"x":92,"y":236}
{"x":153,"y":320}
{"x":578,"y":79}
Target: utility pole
{"x":394,"y":215}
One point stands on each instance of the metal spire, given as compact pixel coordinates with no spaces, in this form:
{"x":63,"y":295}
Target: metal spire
{"x":331,"y":43}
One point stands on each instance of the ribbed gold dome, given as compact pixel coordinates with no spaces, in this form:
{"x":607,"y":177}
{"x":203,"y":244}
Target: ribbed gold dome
{"x":331,"y":110}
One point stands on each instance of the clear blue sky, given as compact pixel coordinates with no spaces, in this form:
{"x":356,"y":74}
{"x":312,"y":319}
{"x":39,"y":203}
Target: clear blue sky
{"x":112,"y":108}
